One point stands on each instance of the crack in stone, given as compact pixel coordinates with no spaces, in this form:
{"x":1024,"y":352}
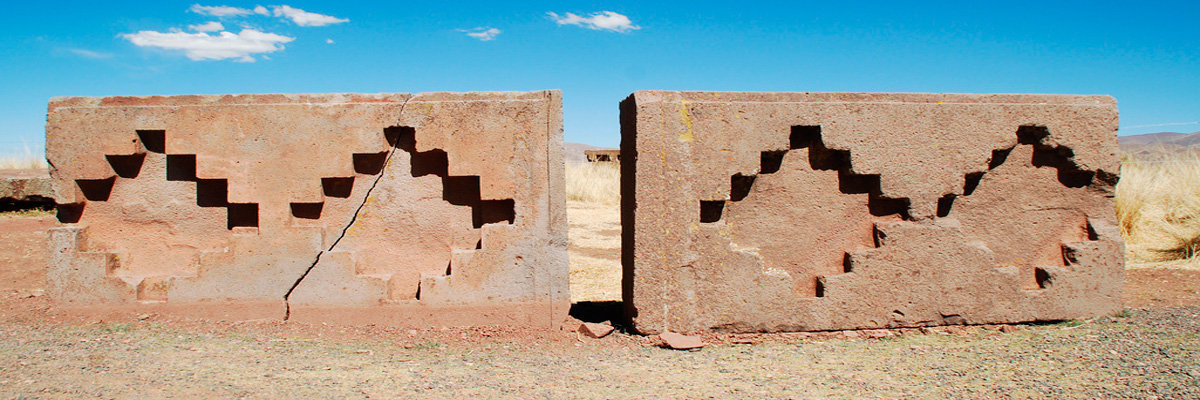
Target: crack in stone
{"x":387,"y":162}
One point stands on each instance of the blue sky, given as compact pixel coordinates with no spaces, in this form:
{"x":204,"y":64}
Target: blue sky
{"x":1146,"y":54}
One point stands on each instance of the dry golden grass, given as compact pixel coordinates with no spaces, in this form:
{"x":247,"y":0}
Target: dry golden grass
{"x":593,"y":194}
{"x":598,"y":183}
{"x":595,"y":251}
{"x":1158,"y":207}
{"x":26,"y":160}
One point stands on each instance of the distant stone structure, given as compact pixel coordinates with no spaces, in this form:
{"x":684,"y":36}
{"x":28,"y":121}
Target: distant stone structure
{"x":25,"y":189}
{"x":603,"y":155}
{"x":392,"y":209}
{"x":818,"y":211}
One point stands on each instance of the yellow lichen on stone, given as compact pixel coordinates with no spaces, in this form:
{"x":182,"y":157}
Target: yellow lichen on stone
{"x":685,"y":116}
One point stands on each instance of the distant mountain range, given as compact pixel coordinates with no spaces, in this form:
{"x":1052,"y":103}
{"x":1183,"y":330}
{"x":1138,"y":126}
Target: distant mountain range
{"x":1159,"y":143}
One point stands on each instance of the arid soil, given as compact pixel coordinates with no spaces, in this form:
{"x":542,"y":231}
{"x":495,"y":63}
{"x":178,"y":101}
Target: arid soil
{"x":1150,"y":351}
{"x":595,"y":235}
{"x":23,"y":250}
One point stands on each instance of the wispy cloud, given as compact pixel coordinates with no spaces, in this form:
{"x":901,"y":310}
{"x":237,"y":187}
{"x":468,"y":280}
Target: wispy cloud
{"x":601,"y":21}
{"x":305,"y":18}
{"x":329,"y":41}
{"x":219,"y":11}
{"x":1162,"y":124}
{"x":482,"y":33}
{"x":211,"y":26}
{"x":95,"y":55}
{"x":203,"y":46}
{"x":296,"y":15}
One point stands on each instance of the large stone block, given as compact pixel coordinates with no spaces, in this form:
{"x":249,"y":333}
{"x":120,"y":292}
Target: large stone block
{"x":25,"y":189}
{"x":435,"y":208}
{"x":817,"y":211}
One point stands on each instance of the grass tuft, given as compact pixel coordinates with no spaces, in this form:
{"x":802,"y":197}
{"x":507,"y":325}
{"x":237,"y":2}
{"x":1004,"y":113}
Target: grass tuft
{"x":26,"y":160}
{"x":594,"y":183}
{"x":1158,"y":207}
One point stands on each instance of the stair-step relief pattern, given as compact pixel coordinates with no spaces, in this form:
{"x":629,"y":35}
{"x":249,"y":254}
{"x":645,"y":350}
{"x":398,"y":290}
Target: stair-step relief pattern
{"x":832,"y":215}
{"x":155,"y":230}
{"x":399,"y":254}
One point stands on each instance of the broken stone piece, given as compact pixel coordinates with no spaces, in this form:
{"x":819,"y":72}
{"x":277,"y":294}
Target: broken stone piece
{"x":595,"y":330}
{"x":877,"y":333}
{"x":677,"y":341}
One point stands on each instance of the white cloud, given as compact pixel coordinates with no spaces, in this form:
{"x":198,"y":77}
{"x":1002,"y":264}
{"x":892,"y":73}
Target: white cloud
{"x":603,"y":21}
{"x":203,"y":46}
{"x":219,"y":11}
{"x":305,"y":18}
{"x":211,"y":26}
{"x":210,"y":40}
{"x":90,"y":54}
{"x":483,"y":34}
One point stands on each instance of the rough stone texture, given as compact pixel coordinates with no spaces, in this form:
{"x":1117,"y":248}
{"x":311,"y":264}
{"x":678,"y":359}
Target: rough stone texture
{"x":25,"y":188}
{"x":676,"y":341}
{"x":435,"y":208}
{"x":594,"y":330}
{"x":817,"y":211}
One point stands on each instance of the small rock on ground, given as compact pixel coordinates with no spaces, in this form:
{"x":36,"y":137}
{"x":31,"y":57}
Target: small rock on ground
{"x":677,"y":341}
{"x":595,"y":330}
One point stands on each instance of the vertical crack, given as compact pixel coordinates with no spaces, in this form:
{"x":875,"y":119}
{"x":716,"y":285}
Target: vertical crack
{"x":388,"y":161}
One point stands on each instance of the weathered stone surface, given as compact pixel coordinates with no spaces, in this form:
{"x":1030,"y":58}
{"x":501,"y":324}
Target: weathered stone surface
{"x":677,"y":341}
{"x":25,"y":188}
{"x":594,"y":330}
{"x":817,"y":211}
{"x":435,"y":208}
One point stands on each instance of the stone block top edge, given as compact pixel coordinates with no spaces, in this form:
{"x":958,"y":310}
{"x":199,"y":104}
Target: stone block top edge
{"x":288,"y":98}
{"x":658,"y":96}
{"x":488,"y":96}
{"x":31,"y":173}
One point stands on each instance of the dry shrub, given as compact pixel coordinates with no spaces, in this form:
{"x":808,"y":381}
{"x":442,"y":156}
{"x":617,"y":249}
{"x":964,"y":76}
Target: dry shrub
{"x":1158,"y":207}
{"x":26,"y":160}
{"x":594,"y":183}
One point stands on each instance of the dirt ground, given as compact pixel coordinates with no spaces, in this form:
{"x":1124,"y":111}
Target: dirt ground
{"x":23,"y":250}
{"x":595,"y":236}
{"x":1150,"y":351}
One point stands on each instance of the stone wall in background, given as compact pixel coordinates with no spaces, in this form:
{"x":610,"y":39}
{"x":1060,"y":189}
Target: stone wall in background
{"x":396,"y":209}
{"x":819,"y":211}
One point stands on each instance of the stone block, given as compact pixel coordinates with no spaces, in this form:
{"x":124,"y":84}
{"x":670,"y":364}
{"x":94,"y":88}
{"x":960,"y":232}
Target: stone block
{"x":25,"y":189}
{"x":398,"y":209}
{"x":816,"y":211}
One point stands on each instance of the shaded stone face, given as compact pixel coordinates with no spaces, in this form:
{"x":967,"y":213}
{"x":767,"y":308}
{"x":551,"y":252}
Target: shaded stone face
{"x":816,"y":211}
{"x":437,"y":208}
{"x":25,"y":189}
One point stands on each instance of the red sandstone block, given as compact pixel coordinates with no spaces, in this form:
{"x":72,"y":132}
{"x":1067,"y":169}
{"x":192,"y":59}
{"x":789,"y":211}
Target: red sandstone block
{"x":435,"y":208}
{"x":817,"y":211}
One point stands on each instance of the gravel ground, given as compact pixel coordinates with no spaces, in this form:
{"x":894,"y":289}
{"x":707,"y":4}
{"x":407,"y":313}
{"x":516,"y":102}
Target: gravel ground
{"x":1151,"y":353}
